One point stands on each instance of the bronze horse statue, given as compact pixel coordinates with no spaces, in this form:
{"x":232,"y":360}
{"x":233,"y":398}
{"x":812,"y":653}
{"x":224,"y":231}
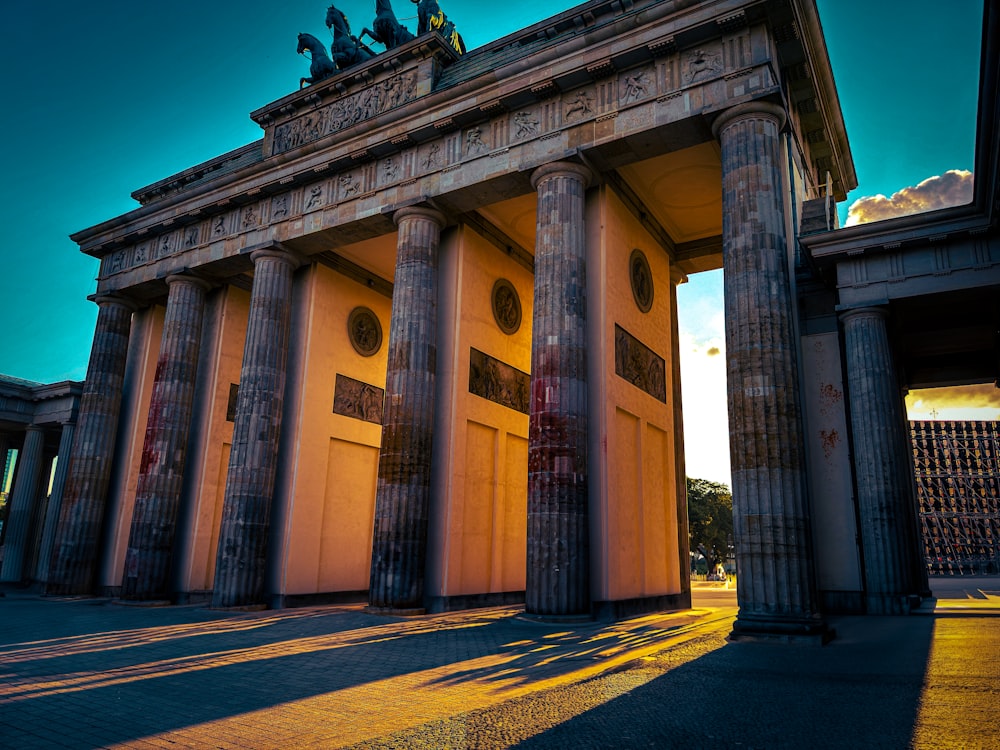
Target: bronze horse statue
{"x":386,"y":28}
{"x":347,"y":49}
{"x":322,"y":66}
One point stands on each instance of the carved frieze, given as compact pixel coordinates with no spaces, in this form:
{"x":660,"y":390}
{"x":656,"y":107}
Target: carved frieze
{"x":640,"y":365}
{"x":506,"y":306}
{"x":358,"y":400}
{"x":347,"y":111}
{"x":625,"y":101}
{"x":499,"y":382}
{"x":365,"y":331}
{"x":641,"y":278}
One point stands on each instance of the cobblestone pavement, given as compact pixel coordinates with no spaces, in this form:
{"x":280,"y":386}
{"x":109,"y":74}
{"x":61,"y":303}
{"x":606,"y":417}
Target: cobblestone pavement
{"x":84,"y":673}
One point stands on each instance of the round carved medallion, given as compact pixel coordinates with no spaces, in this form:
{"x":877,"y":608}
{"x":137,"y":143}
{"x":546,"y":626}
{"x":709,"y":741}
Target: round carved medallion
{"x":506,"y":306}
{"x":365,"y":331}
{"x":642,"y":280}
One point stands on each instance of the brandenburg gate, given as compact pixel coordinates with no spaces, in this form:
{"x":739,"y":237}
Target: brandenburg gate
{"x":419,"y":342}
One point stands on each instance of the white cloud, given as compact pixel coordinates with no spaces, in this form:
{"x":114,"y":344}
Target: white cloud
{"x":953,"y":188}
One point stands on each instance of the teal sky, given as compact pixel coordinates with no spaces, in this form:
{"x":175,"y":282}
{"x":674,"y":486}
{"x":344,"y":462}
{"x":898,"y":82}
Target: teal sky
{"x":102,"y":98}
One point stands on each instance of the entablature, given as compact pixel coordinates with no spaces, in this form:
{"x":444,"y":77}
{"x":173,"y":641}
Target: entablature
{"x":640,"y":79}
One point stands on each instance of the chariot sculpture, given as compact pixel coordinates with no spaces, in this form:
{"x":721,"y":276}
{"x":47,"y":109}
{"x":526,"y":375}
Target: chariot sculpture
{"x":348,"y":50}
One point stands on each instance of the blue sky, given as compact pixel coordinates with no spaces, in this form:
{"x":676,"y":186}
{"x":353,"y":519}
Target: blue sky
{"x":107,"y":97}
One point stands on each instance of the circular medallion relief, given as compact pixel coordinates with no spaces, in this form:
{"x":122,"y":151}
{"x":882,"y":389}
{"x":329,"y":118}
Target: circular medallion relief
{"x":506,"y":306}
{"x":642,"y":280}
{"x":365,"y":331}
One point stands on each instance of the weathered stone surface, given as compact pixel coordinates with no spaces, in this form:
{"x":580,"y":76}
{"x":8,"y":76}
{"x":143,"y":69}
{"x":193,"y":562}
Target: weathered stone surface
{"x":402,"y":502}
{"x":161,"y":470}
{"x":771,"y":526}
{"x":680,"y":469}
{"x":22,"y":505}
{"x":75,"y":555}
{"x":883,"y":466}
{"x":246,"y":511}
{"x":51,"y":521}
{"x":558,"y":566}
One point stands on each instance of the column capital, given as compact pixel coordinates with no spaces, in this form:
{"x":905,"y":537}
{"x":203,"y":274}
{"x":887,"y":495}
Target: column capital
{"x":420,"y":212}
{"x":869,"y":311}
{"x":677,"y":276}
{"x":277,"y":252}
{"x":749,"y":110}
{"x":188,"y":278}
{"x":102,"y":300}
{"x":562,"y":168}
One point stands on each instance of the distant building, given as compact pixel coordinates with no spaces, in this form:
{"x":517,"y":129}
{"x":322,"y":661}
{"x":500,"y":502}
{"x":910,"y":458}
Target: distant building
{"x":957,"y":470}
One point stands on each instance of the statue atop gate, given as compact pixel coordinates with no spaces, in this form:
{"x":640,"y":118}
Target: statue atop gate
{"x":348,"y":50}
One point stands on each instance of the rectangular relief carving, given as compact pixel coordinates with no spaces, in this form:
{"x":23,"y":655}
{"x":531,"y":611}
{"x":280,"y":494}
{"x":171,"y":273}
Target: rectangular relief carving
{"x":358,"y":400}
{"x":640,"y":365}
{"x":497,"y":381}
{"x":344,"y":112}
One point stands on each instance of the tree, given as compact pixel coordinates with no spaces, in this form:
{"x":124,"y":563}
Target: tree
{"x":710,"y":519}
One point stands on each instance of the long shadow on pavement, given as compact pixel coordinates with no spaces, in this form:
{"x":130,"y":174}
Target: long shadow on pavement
{"x":860,"y":691}
{"x":150,"y":672}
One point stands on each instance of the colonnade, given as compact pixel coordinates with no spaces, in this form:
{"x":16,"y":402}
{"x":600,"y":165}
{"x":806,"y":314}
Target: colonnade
{"x":777,"y":590}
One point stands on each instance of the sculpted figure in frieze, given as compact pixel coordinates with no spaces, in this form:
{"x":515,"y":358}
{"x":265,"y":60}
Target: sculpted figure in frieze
{"x":386,"y":28}
{"x":347,"y":49}
{"x":321,"y":66}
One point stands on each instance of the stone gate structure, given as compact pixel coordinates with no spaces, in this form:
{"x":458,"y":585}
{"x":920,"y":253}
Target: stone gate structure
{"x":419,"y":342}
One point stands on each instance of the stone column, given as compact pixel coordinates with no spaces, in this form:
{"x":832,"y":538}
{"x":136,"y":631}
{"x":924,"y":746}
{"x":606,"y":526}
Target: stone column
{"x":680,"y":470}
{"x":55,"y":502}
{"x":161,"y":472}
{"x":253,"y":460}
{"x":558,"y":563}
{"x":775,"y":585}
{"x":402,"y":503}
{"x":23,"y":497}
{"x":882,"y":465}
{"x":82,"y":514}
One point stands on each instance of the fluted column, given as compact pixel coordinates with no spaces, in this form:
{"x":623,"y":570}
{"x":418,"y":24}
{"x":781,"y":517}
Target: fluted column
{"x":558,"y":556}
{"x":680,"y":468}
{"x":74,"y":558}
{"x":402,"y":504}
{"x":23,"y":497}
{"x":775,"y":584}
{"x":161,"y":468}
{"x":55,"y":502}
{"x":253,"y":459}
{"x":882,"y":465}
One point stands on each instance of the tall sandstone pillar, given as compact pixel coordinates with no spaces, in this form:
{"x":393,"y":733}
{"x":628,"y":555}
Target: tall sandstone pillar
{"x":883,"y":466}
{"x":402,"y":503}
{"x":253,"y":460}
{"x":680,"y":469}
{"x":74,"y":560}
{"x":161,"y":469}
{"x":51,"y":521}
{"x":22,"y":505}
{"x":558,"y":561}
{"x":775,"y":585}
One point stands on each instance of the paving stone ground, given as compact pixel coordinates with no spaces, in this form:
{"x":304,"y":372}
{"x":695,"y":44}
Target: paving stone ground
{"x":89,"y":673}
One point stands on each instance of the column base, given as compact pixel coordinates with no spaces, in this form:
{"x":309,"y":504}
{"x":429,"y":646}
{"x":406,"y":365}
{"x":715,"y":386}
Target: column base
{"x":781,"y":630}
{"x":556,"y":619}
{"x":142,"y":602}
{"x":396,"y":611}
{"x":891,"y":604}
